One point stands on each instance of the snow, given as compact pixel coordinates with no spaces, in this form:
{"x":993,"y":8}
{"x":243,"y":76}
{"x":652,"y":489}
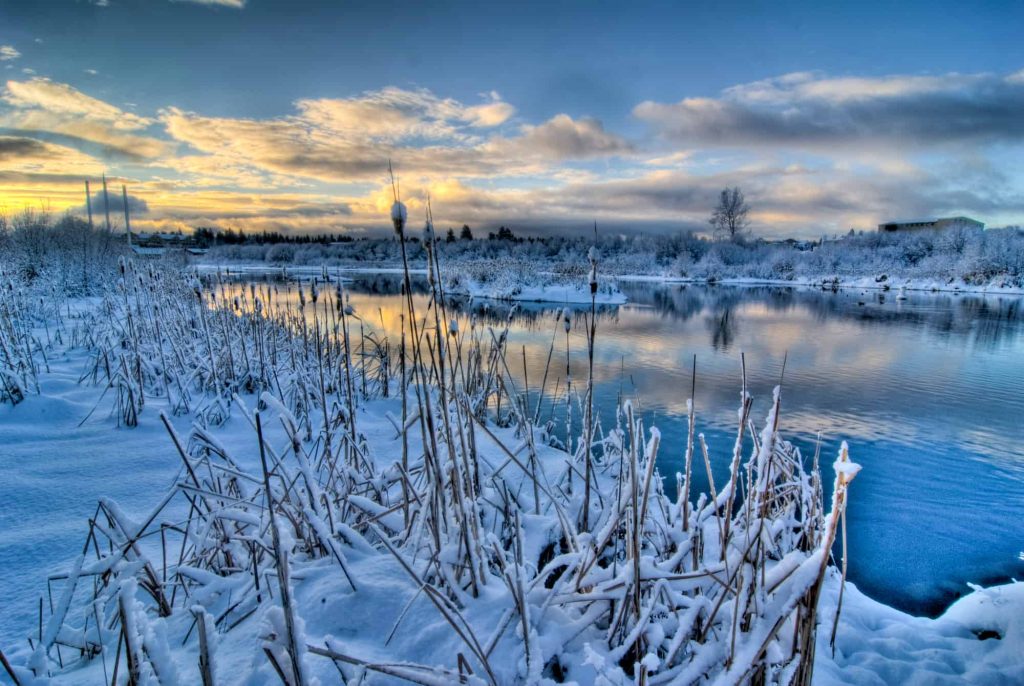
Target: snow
{"x":574,"y":295}
{"x":398,"y":212}
{"x":990,"y":261}
{"x":391,"y":616}
{"x":877,"y":645}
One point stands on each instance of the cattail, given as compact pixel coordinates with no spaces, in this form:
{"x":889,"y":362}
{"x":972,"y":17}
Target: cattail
{"x":302,"y":298}
{"x":592,"y":256}
{"x":428,"y":232}
{"x":567,"y":319}
{"x":349,"y":310}
{"x":398,"y":215}
{"x":453,"y":327}
{"x":314,"y":292}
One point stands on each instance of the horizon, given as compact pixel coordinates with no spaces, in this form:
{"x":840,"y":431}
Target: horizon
{"x":246,"y":115}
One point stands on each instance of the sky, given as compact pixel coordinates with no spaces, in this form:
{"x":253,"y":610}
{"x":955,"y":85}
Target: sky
{"x":546,"y":117}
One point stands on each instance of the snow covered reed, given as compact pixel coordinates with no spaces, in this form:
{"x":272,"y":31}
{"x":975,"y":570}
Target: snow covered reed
{"x":536,"y":558}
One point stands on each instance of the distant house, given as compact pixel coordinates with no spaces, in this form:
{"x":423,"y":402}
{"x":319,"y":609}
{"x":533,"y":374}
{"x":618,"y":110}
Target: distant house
{"x":932,"y":224}
{"x":156,"y":244}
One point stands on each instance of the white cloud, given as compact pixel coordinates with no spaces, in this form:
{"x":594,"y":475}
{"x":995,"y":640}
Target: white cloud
{"x":43,"y":105}
{"x":236,"y":4}
{"x":8,"y":52}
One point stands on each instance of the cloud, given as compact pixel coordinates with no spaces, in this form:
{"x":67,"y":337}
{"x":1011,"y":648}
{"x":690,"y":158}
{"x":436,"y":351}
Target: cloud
{"x":812,"y":111}
{"x":136,"y":205}
{"x":322,"y":166}
{"x":489,"y":115}
{"x":8,"y":52}
{"x":14,"y":148}
{"x":41,"y":105}
{"x":351,"y":139}
{"x":236,"y":4}
{"x":562,"y":137}
{"x":30,"y":156}
{"x":393,"y":114}
{"x":62,"y":99}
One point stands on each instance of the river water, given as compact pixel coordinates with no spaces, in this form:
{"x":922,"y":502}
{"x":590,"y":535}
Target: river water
{"x":927,"y":391}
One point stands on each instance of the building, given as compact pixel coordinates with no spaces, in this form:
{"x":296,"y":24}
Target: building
{"x":933,"y":224}
{"x":156,"y":244}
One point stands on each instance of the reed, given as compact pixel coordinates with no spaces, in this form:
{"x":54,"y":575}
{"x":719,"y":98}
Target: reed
{"x":475,"y":504}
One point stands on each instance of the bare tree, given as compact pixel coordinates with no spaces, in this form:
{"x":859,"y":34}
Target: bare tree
{"x":729,"y":218}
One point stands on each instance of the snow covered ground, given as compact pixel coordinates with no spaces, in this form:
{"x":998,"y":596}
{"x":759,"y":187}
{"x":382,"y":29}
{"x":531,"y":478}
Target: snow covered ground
{"x":387,"y":620}
{"x":989,"y":261}
{"x":874,"y":644}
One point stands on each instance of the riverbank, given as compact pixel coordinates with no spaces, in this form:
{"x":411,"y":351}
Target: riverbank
{"x":532,"y":288}
{"x":352,"y":594}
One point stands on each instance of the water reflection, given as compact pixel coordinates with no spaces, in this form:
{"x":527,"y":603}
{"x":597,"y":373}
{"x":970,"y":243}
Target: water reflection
{"x":926,"y":390}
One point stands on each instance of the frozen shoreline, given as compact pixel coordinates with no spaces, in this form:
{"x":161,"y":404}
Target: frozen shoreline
{"x":579,"y":294}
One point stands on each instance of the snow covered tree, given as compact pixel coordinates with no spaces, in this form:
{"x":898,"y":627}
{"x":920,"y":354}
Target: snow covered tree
{"x":729,"y":217}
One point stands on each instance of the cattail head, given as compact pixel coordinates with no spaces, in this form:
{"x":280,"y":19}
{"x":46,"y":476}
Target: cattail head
{"x":302,"y":298}
{"x":567,"y":319}
{"x":398,"y":215}
{"x":349,"y":310}
{"x":428,"y":233}
{"x":453,"y":327}
{"x":592,"y":256}
{"x":314,"y":292}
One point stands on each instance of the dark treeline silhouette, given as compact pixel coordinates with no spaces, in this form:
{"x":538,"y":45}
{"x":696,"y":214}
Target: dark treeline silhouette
{"x":208,"y":237}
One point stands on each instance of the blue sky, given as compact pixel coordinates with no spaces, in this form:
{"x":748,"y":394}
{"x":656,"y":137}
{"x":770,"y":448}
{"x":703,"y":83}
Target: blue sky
{"x":539,"y":116}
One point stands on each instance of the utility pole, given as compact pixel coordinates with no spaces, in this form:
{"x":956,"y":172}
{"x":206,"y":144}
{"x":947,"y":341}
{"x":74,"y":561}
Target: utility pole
{"x":106,"y":201}
{"x":88,"y":202}
{"x":86,"y":237}
{"x":127,"y":222}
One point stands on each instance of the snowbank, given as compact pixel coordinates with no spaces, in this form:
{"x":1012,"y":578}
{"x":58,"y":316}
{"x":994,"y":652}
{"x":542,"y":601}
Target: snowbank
{"x":979,"y":640}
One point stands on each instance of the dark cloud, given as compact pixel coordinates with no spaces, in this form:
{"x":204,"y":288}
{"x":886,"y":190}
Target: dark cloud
{"x":808,"y":111}
{"x":18,"y":147}
{"x":136,"y":205}
{"x":563,"y":138}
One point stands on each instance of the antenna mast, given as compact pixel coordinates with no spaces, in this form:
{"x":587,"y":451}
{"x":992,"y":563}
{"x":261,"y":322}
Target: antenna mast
{"x":88,"y":202}
{"x":106,"y":201}
{"x":127,"y":222}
